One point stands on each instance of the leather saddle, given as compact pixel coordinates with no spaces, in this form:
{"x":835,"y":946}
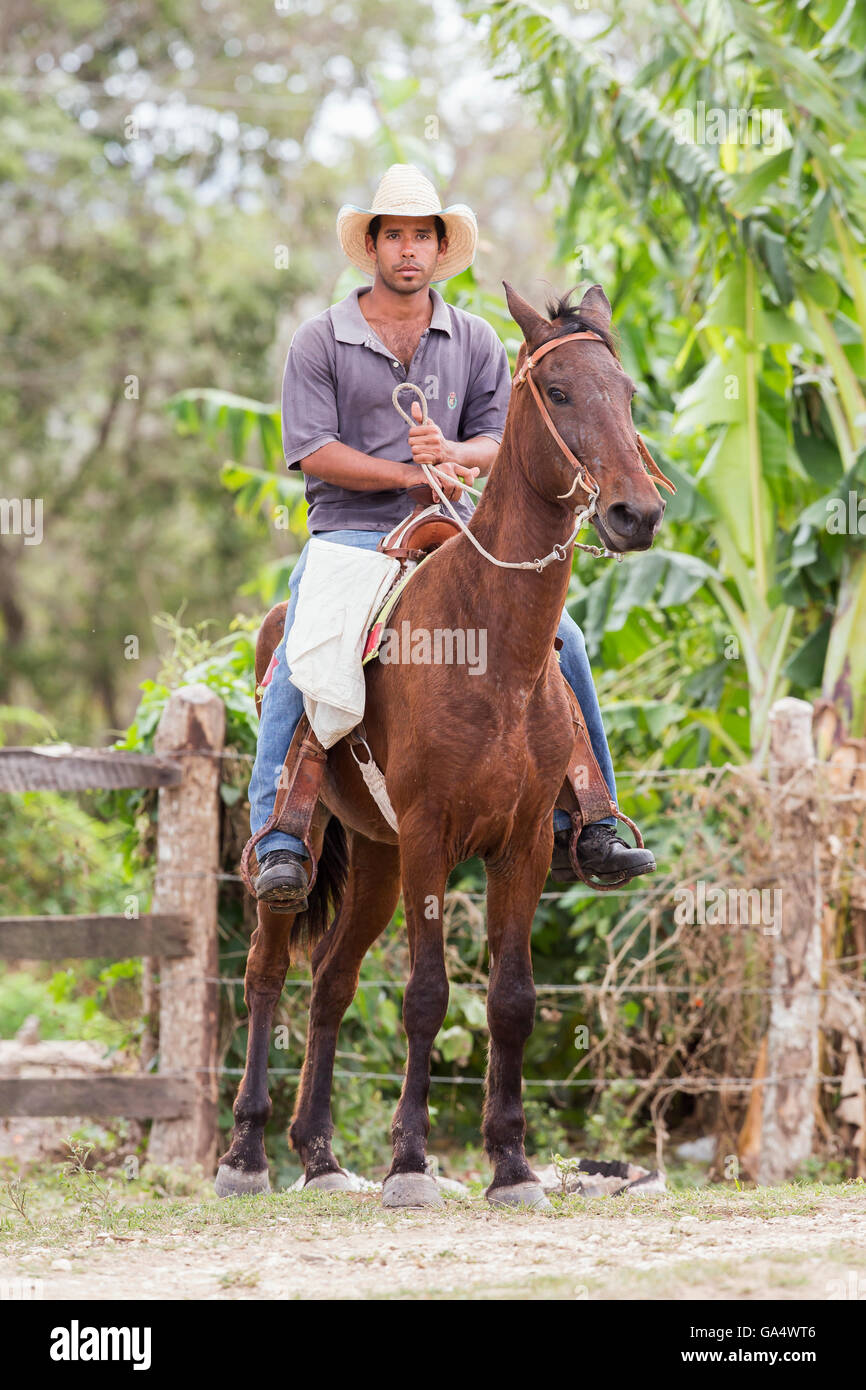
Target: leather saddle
{"x":424,"y":530}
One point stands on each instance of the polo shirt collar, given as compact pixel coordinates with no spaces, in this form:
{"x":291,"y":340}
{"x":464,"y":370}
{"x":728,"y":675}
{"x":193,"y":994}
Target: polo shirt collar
{"x":350,"y":326}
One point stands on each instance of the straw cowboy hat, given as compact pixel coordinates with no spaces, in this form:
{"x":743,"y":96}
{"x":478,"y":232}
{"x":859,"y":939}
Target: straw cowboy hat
{"x":405,"y":192}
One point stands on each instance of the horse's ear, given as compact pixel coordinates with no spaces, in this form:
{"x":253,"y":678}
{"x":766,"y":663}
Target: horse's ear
{"x":532,"y":324}
{"x":595,"y":305}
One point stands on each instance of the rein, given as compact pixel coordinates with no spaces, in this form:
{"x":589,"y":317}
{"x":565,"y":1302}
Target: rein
{"x":559,"y":552}
{"x":583,"y":477}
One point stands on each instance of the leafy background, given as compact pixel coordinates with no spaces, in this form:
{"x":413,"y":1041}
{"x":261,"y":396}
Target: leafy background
{"x":171,"y":172}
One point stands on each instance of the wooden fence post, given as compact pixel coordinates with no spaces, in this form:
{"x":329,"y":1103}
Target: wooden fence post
{"x":192,"y":726}
{"x":792,"y":1040}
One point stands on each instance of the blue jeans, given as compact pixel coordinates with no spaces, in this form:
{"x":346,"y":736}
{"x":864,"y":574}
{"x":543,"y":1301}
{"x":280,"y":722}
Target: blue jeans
{"x":283,"y":705}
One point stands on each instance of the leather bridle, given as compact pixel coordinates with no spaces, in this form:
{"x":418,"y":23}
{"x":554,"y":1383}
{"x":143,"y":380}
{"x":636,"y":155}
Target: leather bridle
{"x":583,"y":477}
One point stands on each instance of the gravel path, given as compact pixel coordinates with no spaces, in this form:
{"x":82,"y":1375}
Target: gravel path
{"x":348,"y":1248}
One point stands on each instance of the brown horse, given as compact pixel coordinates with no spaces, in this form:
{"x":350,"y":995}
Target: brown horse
{"x":473,"y":763}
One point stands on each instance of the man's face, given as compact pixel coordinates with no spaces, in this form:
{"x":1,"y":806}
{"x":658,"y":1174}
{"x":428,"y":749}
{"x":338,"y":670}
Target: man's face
{"x":407,"y":252}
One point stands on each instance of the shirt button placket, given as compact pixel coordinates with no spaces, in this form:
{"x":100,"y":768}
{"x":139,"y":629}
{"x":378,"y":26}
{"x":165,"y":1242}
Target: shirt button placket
{"x":419,"y":350}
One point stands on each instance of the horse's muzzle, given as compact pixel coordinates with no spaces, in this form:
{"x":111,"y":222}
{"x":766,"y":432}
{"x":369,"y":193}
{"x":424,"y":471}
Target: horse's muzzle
{"x":626,"y":527}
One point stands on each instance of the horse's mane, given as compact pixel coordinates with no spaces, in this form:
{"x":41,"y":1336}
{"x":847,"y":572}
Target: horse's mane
{"x":569,"y":319}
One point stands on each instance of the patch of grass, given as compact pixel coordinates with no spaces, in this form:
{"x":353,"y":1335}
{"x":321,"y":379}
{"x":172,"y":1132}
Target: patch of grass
{"x":239,"y":1279}
{"x":716,"y":1203}
{"x":853,"y":1255}
{"x":93,"y":1194}
{"x":53,"y":1209}
{"x":760,"y":1275}
{"x":14,"y":1196}
{"x":533,"y":1287}
{"x":315,"y":1214}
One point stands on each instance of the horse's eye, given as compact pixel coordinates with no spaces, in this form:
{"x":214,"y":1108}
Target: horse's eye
{"x":556,"y":395}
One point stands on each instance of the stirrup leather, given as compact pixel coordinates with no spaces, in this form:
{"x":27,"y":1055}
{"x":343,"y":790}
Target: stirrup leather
{"x":296,"y":799}
{"x":586,"y":797}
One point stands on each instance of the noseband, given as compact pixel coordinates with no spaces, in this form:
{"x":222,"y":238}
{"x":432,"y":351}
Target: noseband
{"x":583,"y":477}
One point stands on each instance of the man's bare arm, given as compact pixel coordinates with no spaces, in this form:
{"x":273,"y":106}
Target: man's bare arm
{"x":344,"y":467}
{"x":474,"y":453}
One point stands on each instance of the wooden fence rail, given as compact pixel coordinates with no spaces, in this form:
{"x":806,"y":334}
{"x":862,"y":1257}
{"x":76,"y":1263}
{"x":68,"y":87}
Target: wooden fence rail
{"x":106,"y":936}
{"x":179,"y":937}
{"x":135,"y":1097}
{"x":62,"y":768}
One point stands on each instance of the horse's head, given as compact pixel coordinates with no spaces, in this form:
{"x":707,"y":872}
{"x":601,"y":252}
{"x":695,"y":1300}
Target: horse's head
{"x":587,"y":396}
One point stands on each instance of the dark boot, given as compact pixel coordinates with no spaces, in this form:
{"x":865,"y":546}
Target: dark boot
{"x":282,"y":881}
{"x":600,"y":852}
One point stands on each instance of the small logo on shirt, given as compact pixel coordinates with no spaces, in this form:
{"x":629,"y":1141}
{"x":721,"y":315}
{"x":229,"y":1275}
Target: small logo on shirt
{"x":452,"y":400}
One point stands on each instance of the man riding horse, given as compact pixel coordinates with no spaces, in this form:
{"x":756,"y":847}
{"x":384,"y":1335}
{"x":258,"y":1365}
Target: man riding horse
{"x":340,"y":428}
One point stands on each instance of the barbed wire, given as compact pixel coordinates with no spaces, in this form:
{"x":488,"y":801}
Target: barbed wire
{"x":457,"y":894}
{"x":746,"y":770}
{"x":704,"y":992}
{"x":700,"y":994}
{"x":701,"y":1083}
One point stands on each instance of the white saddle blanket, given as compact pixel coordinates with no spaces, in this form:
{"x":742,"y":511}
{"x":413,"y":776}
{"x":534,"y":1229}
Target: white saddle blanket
{"x":341,"y":591}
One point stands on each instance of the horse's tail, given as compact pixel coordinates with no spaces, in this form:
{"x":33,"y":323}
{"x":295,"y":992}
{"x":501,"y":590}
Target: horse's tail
{"x":325,"y":899}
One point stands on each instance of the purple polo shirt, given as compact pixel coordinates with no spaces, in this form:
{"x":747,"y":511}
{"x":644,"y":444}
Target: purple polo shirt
{"x":337,"y":386}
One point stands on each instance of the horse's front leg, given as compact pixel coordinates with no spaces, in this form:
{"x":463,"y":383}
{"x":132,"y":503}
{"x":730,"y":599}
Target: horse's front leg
{"x":372,"y":891}
{"x":425,"y":1003}
{"x":244,"y":1168}
{"x":514,"y":886}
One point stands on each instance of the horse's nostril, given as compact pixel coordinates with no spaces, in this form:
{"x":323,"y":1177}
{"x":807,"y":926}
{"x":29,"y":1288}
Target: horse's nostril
{"x":625,"y":520}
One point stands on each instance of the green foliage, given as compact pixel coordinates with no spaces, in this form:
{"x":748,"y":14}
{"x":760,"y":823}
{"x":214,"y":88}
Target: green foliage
{"x":63,"y":1008}
{"x":736,"y":268}
{"x":611,"y":1128}
{"x":225,"y":663}
{"x":96,"y":1197}
{"x":168,"y":217}
{"x":57,"y":857}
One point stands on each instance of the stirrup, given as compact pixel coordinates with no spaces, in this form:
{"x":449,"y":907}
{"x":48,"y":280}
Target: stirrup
{"x":577,"y":824}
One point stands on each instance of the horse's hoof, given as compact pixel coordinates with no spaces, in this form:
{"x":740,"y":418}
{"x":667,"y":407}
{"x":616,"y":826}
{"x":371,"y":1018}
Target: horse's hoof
{"x":328,"y":1182}
{"x":519,"y":1194}
{"x":411,"y":1190}
{"x":234,"y":1182}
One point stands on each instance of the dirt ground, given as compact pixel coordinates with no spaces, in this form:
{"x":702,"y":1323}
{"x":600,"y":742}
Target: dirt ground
{"x":783,"y":1243}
